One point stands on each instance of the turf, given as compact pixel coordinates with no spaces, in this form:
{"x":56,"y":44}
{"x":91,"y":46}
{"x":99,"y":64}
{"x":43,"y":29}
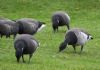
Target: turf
{"x":84,"y":14}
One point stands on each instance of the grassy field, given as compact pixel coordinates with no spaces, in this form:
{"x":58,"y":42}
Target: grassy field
{"x":84,"y":14}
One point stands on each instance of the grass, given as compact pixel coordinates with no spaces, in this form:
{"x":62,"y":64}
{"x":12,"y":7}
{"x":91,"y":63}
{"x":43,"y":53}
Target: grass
{"x":83,"y":13}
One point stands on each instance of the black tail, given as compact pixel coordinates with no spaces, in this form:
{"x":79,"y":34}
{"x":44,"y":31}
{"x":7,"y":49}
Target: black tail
{"x":63,"y":45}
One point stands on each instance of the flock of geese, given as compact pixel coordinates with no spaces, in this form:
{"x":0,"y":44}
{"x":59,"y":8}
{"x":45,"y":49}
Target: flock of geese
{"x":24,"y":43}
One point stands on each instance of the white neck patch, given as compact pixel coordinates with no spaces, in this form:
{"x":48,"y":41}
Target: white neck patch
{"x":41,"y":28}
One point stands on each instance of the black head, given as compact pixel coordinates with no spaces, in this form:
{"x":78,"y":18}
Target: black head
{"x":41,"y":25}
{"x":18,"y":54}
{"x":62,"y":46}
{"x":89,"y":37}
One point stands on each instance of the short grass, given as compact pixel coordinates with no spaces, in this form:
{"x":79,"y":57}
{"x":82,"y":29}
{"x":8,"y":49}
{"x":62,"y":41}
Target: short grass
{"x":84,"y":14}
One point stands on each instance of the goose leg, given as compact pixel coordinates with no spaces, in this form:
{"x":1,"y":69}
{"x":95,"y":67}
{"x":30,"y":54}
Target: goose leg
{"x":30,"y":56}
{"x":74,"y":48}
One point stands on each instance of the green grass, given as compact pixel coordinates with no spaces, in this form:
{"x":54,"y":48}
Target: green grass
{"x":84,"y":14}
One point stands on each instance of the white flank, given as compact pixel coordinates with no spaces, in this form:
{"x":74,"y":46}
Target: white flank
{"x":82,"y":38}
{"x":68,"y":16}
{"x":35,"y":43}
{"x":41,"y":28}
